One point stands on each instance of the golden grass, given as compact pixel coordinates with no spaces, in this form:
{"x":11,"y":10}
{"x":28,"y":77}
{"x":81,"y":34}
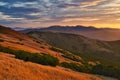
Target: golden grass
{"x":19,"y":47}
{"x":14,"y":69}
{"x":30,"y":45}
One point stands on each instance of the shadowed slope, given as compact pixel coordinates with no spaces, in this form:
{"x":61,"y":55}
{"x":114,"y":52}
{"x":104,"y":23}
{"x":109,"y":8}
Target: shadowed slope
{"x":81,"y":45}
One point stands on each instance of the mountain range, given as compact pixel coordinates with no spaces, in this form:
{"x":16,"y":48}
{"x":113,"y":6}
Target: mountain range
{"x":106,"y":34}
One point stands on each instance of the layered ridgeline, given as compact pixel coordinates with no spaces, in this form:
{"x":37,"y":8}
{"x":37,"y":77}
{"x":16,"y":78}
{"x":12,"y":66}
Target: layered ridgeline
{"x":91,"y":49}
{"x":24,"y":58}
{"x":106,"y":34}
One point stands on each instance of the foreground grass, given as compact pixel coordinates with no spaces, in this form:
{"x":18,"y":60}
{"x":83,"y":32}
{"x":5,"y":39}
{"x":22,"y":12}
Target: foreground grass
{"x":15,"y":69}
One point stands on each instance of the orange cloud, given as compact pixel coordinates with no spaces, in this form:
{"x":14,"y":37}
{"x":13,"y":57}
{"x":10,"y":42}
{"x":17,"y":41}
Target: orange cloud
{"x":93,"y":3}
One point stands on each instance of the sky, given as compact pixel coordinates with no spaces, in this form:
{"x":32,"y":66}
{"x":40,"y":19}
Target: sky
{"x":44,"y":13}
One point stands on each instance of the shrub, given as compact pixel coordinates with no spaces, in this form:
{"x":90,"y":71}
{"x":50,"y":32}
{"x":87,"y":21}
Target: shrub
{"x":43,"y":58}
{"x":6,"y":50}
{"x":99,"y":69}
{"x":75,"y":67}
{"x":56,"y":49}
{"x":1,"y":40}
{"x":42,"y":47}
{"x":66,"y":54}
{"x":72,"y":57}
{"x":106,"y":70}
{"x":48,"y":60}
{"x":59,"y":50}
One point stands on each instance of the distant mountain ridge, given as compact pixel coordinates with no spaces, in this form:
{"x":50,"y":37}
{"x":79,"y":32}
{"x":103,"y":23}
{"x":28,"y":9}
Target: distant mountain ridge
{"x":106,"y":34}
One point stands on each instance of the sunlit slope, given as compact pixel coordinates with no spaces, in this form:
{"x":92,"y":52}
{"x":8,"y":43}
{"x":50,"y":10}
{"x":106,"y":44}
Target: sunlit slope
{"x":18,"y":41}
{"x":14,"y":69}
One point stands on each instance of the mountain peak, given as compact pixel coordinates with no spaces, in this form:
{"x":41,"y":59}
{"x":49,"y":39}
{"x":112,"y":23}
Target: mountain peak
{"x":78,"y":27}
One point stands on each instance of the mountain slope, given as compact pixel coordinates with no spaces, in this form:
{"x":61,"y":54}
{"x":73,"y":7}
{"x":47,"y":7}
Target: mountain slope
{"x":19,"y":41}
{"x":106,"y":34}
{"x":80,"y":45}
{"x":12,"y":68}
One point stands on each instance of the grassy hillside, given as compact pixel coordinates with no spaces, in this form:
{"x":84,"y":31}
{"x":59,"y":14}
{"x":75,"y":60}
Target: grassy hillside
{"x":18,"y":41}
{"x":46,"y":59}
{"x":90,"y":49}
{"x":14,"y":69}
{"x":30,"y":50}
{"x":17,"y":50}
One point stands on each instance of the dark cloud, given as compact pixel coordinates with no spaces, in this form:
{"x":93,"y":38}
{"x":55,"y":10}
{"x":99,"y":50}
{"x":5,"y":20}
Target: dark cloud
{"x":79,"y":1}
{"x":19,"y":12}
{"x":12,"y":1}
{"x":65,"y":5}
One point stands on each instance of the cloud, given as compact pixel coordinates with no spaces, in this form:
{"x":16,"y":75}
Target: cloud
{"x":92,"y":3}
{"x":80,"y":19}
{"x":58,"y":11}
{"x":3,"y":3}
{"x":18,"y":12}
{"x":118,"y":19}
{"x":12,"y":1}
{"x":6,"y":19}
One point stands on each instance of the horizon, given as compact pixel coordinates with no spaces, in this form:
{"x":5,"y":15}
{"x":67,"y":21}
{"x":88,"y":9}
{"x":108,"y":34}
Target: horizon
{"x":45,"y":13}
{"x":62,"y":27}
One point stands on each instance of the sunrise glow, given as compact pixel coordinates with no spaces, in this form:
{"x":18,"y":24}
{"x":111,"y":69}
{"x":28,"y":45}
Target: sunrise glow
{"x":44,"y":13}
